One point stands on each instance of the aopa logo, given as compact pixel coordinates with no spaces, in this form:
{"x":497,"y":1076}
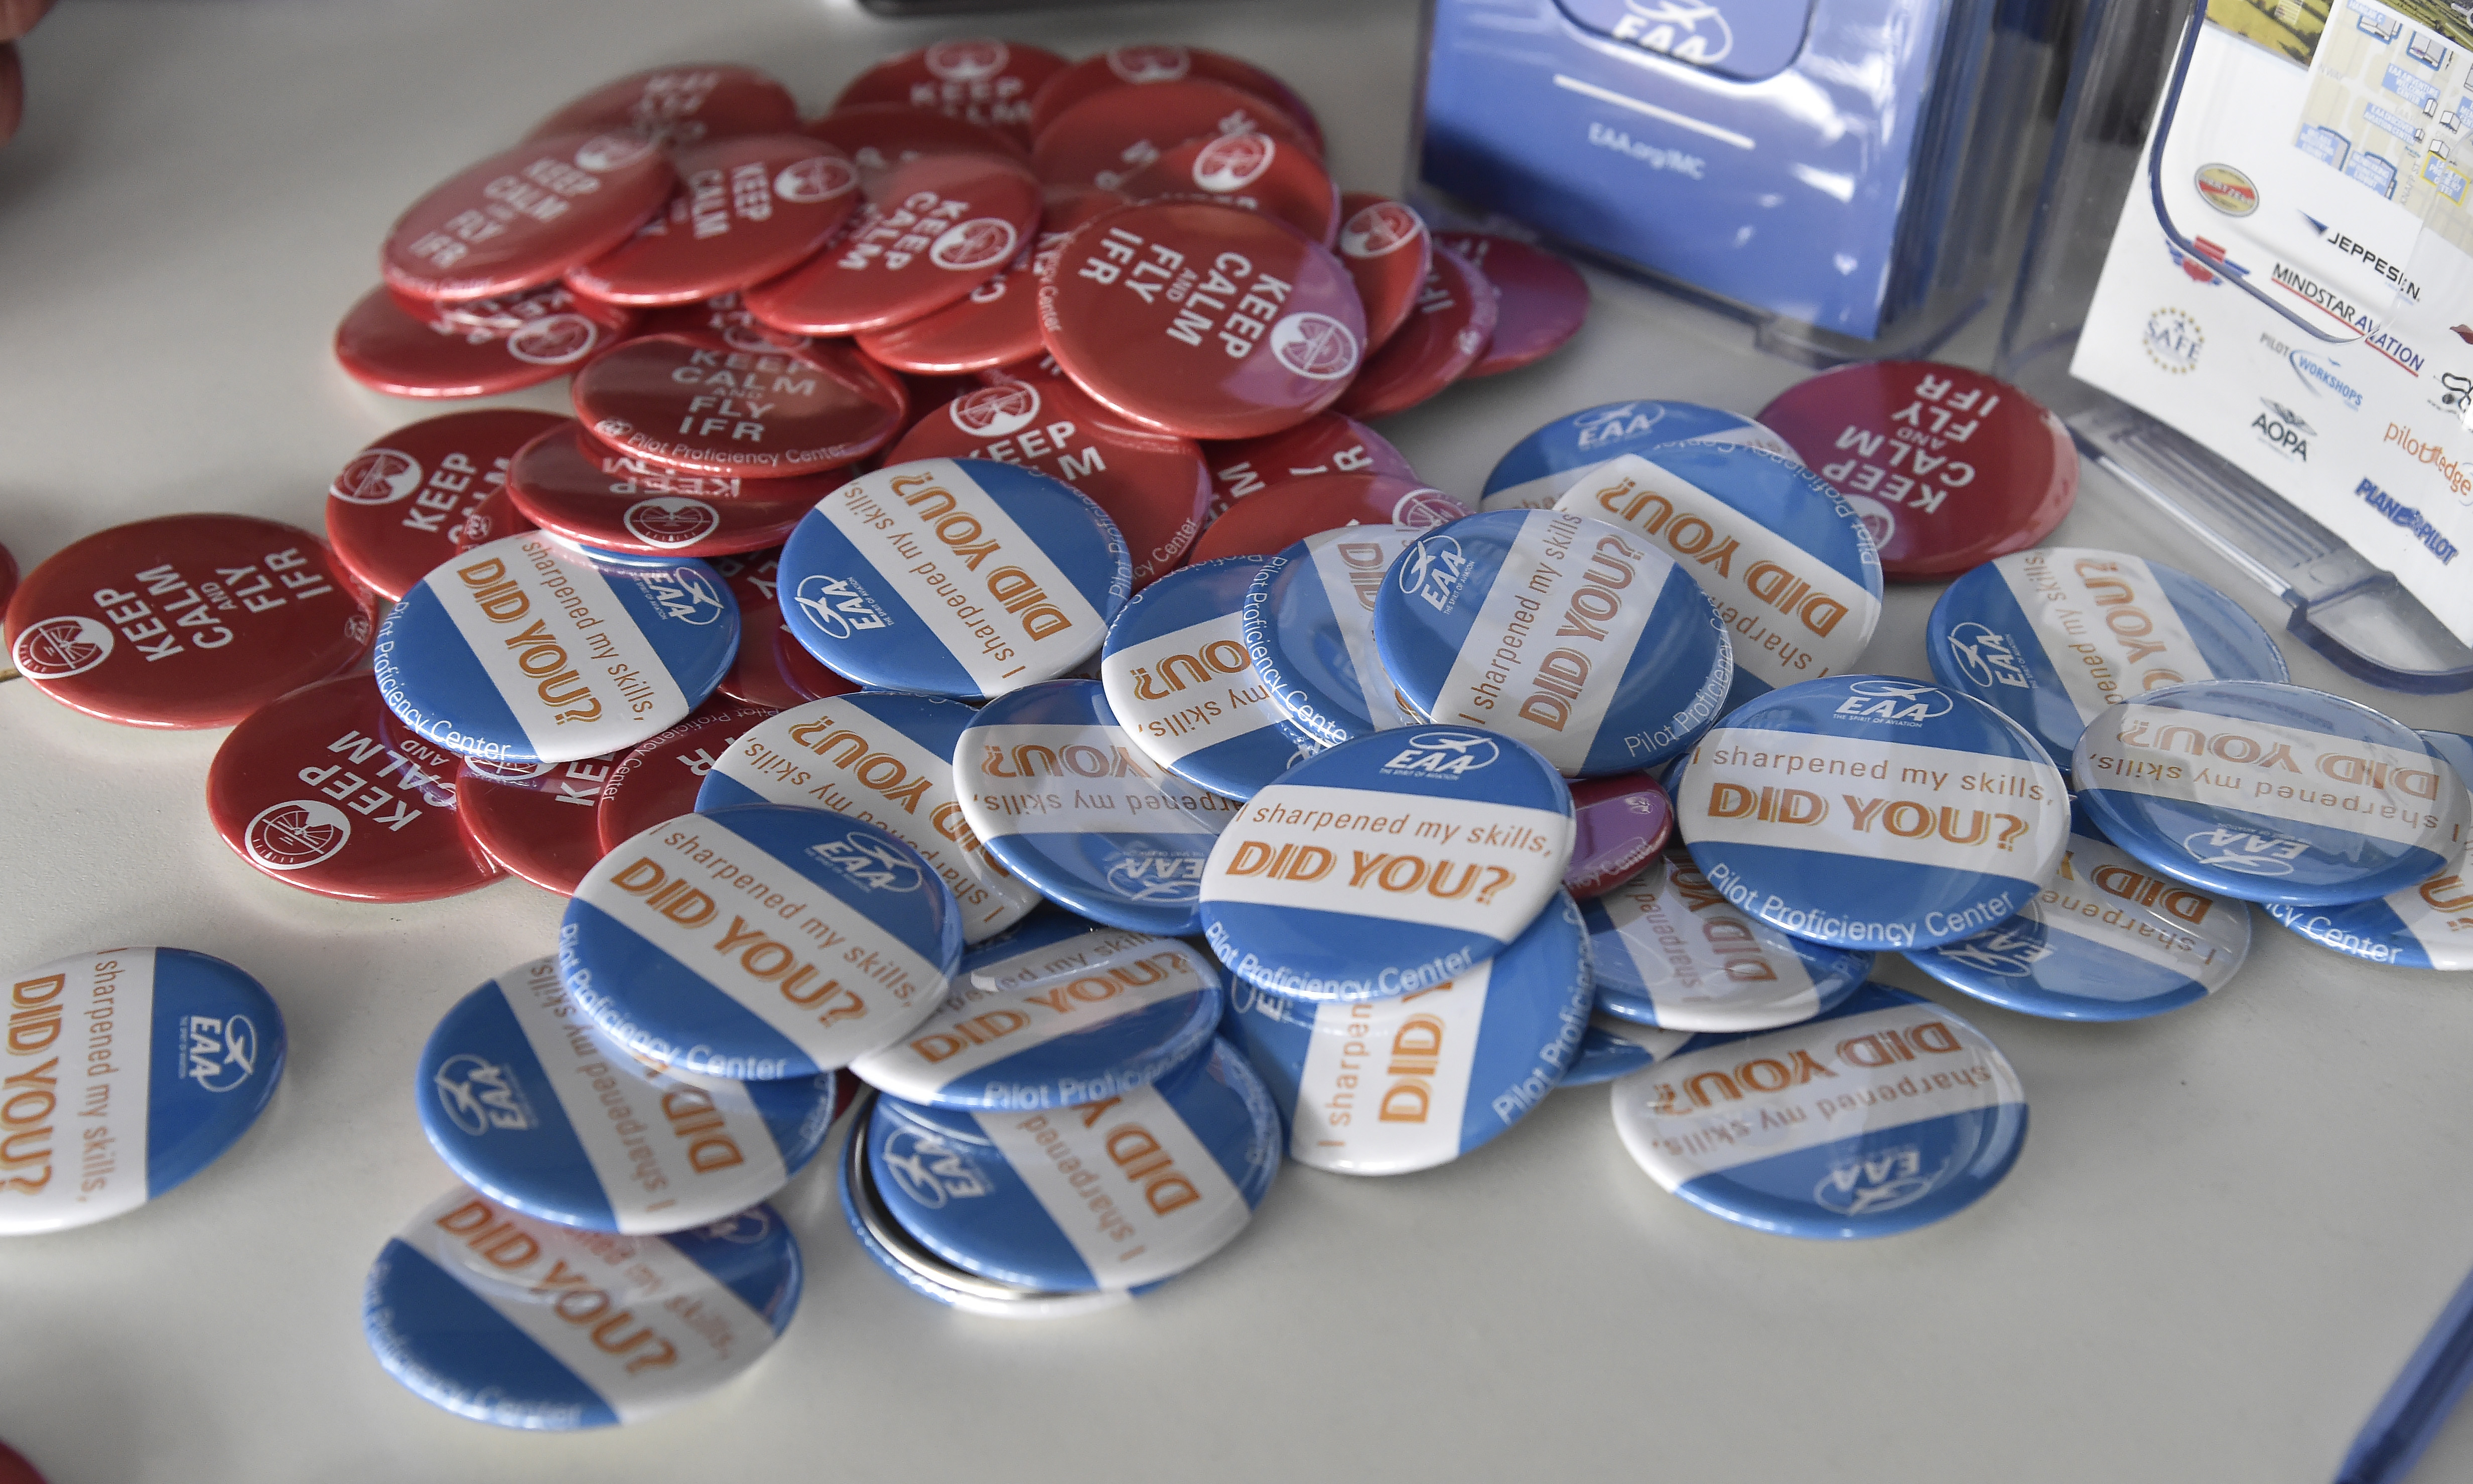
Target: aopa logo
{"x":1690,"y":31}
{"x":479,"y":1094}
{"x":839,"y":606}
{"x":1901,"y":702}
{"x":1434,"y":569}
{"x":2256,"y":852}
{"x":871,"y":862}
{"x":1445,"y":755}
{"x":1987,"y":657}
{"x":686,"y":595}
{"x":217,"y":1052}
{"x":930,"y":1170}
{"x":2283,"y":430}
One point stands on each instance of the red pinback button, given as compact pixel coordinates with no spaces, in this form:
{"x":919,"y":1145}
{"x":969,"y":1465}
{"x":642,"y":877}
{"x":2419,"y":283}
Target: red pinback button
{"x":1254,"y":172}
{"x":1388,"y":252}
{"x":988,"y":82}
{"x":935,"y":229}
{"x":1138,"y":311}
{"x":681,"y":105}
{"x":1152,"y":485}
{"x":539,"y":820}
{"x":747,"y":208}
{"x":1324,"y":443}
{"x":14,"y":1467}
{"x":1109,"y":137}
{"x":998,"y":322}
{"x":397,"y":509}
{"x":1145,"y":64}
{"x":387,"y":350}
{"x":1268,"y":524}
{"x":1948,"y":468}
{"x":1619,"y":825}
{"x":8,"y":578}
{"x":879,"y":137}
{"x":1541,"y":300}
{"x":504,"y":314}
{"x":696,"y":402}
{"x":659,"y":778}
{"x":571,"y":484}
{"x":1445,"y":334}
{"x":527,"y":215}
{"x":764,"y":673}
{"x":810,"y":677}
{"x":186,"y":620}
{"x":324,"y":790}
{"x":493,"y":518}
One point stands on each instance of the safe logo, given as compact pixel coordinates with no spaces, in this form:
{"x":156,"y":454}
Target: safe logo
{"x":1877,"y":1180}
{"x":478,"y":1094}
{"x":839,"y":606}
{"x":217,"y":1052}
{"x":871,"y":862}
{"x":1448,"y":755}
{"x":1434,"y":569}
{"x":1688,"y":31}
{"x":2174,"y":341}
{"x":1987,"y":657}
{"x":684,"y":594}
{"x":1899,"y":703}
{"x":930,"y":1170}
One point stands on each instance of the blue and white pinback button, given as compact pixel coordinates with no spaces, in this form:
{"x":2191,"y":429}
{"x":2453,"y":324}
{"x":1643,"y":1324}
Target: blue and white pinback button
{"x":960,"y":577}
{"x":1388,"y":865}
{"x":1672,"y":951}
{"x":1307,"y":625}
{"x":1581,"y":638}
{"x":124,"y":1073}
{"x":1612,"y":1048}
{"x":2271,"y":792}
{"x":1182,"y":686}
{"x":526,"y":1103}
{"x":2109,"y":939}
{"x":1383,"y":1087}
{"x":1869,"y":812}
{"x":1784,"y":560}
{"x":1539,"y":467}
{"x":1884,"y":1115}
{"x":2429,"y":925}
{"x":1058,"y":792}
{"x":504,"y":1319}
{"x":526,"y":650}
{"x":1117,"y":1194}
{"x":886,"y":757}
{"x":2054,"y":635}
{"x":1055,"y":1013}
{"x":759,"y":941}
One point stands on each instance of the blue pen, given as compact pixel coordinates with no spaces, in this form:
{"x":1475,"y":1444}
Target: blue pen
{"x":2418,"y":1400}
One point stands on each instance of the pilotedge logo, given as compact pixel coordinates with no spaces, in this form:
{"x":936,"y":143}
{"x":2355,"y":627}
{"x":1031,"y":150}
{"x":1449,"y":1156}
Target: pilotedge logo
{"x":54,"y":649}
{"x":296,"y":834}
{"x":1899,"y":703}
{"x":871,"y":862}
{"x":686,"y":595}
{"x":839,"y":606}
{"x":376,"y":477}
{"x":2255,"y":853}
{"x":1876,"y":1179}
{"x":1434,"y":570}
{"x":928,"y":1169}
{"x":1445,"y":755}
{"x":217,"y":1052}
{"x":478,"y":1095}
{"x":1987,"y":657}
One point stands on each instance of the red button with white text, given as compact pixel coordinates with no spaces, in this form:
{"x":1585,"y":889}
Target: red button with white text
{"x":694,"y":402}
{"x":1541,"y":300}
{"x":938,"y":228}
{"x":537,"y":820}
{"x":571,"y":484}
{"x":998,"y":322}
{"x":983,"y":79}
{"x":880,"y":137}
{"x":1152,"y":485}
{"x":1251,"y":171}
{"x":1109,"y":138}
{"x":1444,"y":335}
{"x":1388,"y":252}
{"x":186,"y":620}
{"x":1619,"y":825}
{"x":747,"y":208}
{"x":681,"y":105}
{"x":324,"y":790}
{"x":1148,"y":64}
{"x":1268,"y":524}
{"x":388,"y":349}
{"x":504,"y":314}
{"x":527,"y":215}
{"x":658,"y":779}
{"x":1202,"y":320}
{"x":1324,"y":443}
{"x":395,"y":511}
{"x":489,"y":520}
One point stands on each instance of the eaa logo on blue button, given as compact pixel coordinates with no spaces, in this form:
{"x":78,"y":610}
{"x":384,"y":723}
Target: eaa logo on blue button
{"x":2008,"y":954}
{"x":744,"y":1230}
{"x":1877,"y":1180}
{"x":685,"y":595}
{"x":1434,"y":569}
{"x":479,"y":1094}
{"x":1987,"y":657}
{"x":1619,"y":423}
{"x":1897,"y":703}
{"x":1142,"y":875}
{"x":1444,"y":754}
{"x":1686,"y":30}
{"x":2256,"y":852}
{"x":217,"y":1052}
{"x":931,"y":1171}
{"x":870,"y":863}
{"x":839,"y":606}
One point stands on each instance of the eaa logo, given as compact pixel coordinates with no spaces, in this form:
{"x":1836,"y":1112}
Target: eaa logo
{"x":744,"y":1230}
{"x":968,"y":60}
{"x":1434,"y":569}
{"x":54,"y":649}
{"x":478,"y":1094}
{"x":1987,"y":657}
{"x":671,"y":521}
{"x":1149,"y":63}
{"x":1315,"y":345}
{"x":2173,"y":339}
{"x":2283,"y":430}
{"x":1899,"y":703}
{"x":1688,"y":31}
{"x":217,"y":1052}
{"x":296,"y":834}
{"x":871,"y":862}
{"x":1382,"y":229}
{"x":684,"y":594}
{"x":1877,"y":1180}
{"x":817,"y":177}
{"x":2255,"y":853}
{"x":975,"y":243}
{"x":1232,"y":162}
{"x":2004,"y":951}
{"x":930,"y":1170}
{"x":1620,"y":423}
{"x":1148,"y":873}
{"x":996,"y":412}
{"x":378,"y":476}
{"x":839,"y":606}
{"x":1445,"y":755}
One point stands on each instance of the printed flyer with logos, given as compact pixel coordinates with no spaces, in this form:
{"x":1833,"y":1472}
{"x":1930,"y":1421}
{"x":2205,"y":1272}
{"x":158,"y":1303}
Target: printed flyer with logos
{"x":2291,"y":284}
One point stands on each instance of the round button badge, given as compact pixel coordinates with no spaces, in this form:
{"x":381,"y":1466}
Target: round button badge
{"x":2271,"y":792}
{"x":1181,"y":683}
{"x":1441,"y":1071}
{"x":538,"y":821}
{"x":1948,"y":466}
{"x":661,"y":777}
{"x":2054,"y":635}
{"x":961,"y":577}
{"x":1445,"y":332}
{"x":771,"y":669}
{"x":1883,"y":1114}
{"x":996,"y":323}
{"x":697,"y":403}
{"x":1268,"y":524}
{"x":503,"y":1319}
{"x":388,"y":348}
{"x":1324,"y":443}
{"x":571,"y":484}
{"x":1388,"y":252}
{"x":886,"y":757}
{"x":195,"y":1048}
{"x":527,"y":1105}
{"x":681,"y":105}
{"x":1253,"y":172}
{"x":1202,"y":319}
{"x":1387,"y":865}
{"x":1672,"y":951}
{"x":1107,"y":138}
{"x":988,"y":82}
{"x":1620,"y":824}
{"x":933,"y":229}
{"x":1541,"y":300}
{"x":185,"y":620}
{"x":528,"y":650}
{"x":1055,"y":789}
{"x":393,"y":513}
{"x":2424,"y":926}
{"x":759,"y":941}
{"x":1541,"y":467}
{"x":1147,"y":64}
{"x":879,"y":136}
{"x":1307,"y":626}
{"x":746,"y":208}
{"x":1870,"y":811}
{"x":1612,"y":1048}
{"x":524,"y":216}
{"x":324,"y":790}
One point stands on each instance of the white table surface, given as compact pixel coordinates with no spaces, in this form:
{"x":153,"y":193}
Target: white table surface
{"x":2229,"y":1228}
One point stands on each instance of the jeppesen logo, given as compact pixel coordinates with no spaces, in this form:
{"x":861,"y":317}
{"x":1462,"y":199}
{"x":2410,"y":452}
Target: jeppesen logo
{"x":839,"y":606}
{"x":1434,"y":569}
{"x":478,"y":1094}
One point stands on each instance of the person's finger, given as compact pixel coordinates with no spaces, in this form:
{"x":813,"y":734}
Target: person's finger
{"x":18,"y":16}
